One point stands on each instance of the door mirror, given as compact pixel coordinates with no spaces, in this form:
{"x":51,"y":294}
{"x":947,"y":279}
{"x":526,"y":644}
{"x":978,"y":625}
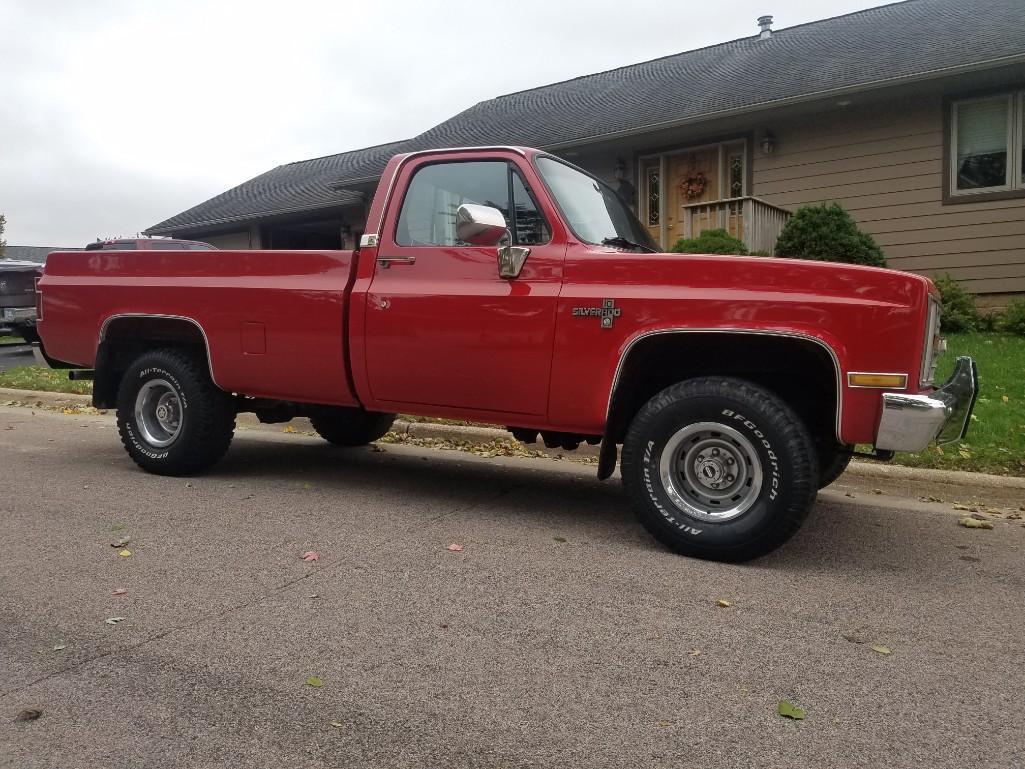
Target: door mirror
{"x":480,"y":225}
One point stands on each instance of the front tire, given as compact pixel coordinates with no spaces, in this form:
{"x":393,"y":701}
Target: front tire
{"x":350,"y":426}
{"x":719,"y":468}
{"x":172,"y":418}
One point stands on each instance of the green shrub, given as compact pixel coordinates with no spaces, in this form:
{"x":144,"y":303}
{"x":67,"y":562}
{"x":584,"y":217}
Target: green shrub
{"x":710,"y":242}
{"x":1012,"y":321}
{"x":959,"y":310}
{"x":827,"y":233}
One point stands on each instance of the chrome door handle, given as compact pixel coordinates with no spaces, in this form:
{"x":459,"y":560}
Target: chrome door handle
{"x":387,"y":261}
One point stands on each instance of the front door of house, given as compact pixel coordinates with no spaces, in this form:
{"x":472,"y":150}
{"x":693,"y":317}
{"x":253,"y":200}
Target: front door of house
{"x":692,"y":179}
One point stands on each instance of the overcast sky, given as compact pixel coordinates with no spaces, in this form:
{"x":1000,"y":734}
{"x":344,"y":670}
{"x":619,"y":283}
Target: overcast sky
{"x":116,"y":114}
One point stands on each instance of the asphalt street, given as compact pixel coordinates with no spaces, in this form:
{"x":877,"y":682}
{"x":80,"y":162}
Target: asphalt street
{"x":12,"y":355}
{"x":561,"y":635}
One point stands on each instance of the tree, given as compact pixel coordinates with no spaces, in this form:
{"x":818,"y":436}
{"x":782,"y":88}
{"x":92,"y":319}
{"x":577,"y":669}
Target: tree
{"x":827,"y":233}
{"x":3,"y":243}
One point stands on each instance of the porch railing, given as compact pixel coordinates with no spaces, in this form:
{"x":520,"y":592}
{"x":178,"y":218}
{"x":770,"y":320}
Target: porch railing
{"x":748,"y":218}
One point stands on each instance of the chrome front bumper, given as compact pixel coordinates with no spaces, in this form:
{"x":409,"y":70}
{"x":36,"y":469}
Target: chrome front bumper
{"x":912,"y":422}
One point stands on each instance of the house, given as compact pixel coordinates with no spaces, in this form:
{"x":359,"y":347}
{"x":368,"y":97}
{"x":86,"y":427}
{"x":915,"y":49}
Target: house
{"x":32,"y":253}
{"x":910,"y":115}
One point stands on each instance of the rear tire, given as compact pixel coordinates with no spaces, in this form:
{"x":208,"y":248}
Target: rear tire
{"x":833,"y":461}
{"x":351,"y":426}
{"x":172,"y":418}
{"x":719,"y":468}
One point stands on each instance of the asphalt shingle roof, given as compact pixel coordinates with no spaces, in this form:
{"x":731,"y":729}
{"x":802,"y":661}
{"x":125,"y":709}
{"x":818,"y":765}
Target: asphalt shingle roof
{"x":888,"y":44}
{"x":892,"y":42}
{"x":299,"y":186}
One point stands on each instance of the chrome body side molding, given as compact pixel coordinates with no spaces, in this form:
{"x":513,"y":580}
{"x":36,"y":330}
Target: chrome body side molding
{"x":838,"y":376}
{"x":206,"y":340}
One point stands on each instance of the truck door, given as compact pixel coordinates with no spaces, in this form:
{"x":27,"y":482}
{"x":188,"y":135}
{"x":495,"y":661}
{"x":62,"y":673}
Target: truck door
{"x":442,"y":327}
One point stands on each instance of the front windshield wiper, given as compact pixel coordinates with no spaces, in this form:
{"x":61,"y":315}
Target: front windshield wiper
{"x":621,"y":242}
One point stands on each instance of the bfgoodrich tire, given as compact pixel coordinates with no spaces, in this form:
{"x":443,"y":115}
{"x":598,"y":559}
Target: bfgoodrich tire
{"x":172,"y":419}
{"x":351,"y":427}
{"x":719,"y":468}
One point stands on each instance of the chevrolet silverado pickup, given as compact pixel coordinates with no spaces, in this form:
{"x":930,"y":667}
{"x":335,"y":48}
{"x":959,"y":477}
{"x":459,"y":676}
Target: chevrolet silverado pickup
{"x":504,"y":285}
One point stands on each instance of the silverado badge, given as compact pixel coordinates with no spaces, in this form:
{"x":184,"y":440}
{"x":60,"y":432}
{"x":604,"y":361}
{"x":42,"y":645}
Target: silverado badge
{"x":608,"y":312}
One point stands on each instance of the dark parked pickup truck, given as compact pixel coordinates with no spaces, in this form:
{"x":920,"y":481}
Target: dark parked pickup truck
{"x":18,"y":298}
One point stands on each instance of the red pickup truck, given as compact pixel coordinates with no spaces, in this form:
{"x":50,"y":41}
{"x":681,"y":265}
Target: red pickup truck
{"x":504,"y":285}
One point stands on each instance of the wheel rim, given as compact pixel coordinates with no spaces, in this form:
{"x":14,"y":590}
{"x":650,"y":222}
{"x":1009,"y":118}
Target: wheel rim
{"x":158,"y":413}
{"x":711,"y":472}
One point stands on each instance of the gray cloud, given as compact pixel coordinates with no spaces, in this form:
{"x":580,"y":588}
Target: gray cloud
{"x":115,"y":115}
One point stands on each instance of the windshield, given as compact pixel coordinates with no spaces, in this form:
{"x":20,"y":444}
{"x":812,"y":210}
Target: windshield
{"x":592,"y":210}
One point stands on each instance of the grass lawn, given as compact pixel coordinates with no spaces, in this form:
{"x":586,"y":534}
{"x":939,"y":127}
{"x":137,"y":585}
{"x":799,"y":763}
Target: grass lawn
{"x":11,"y":340}
{"x":39,"y":378}
{"x":995,"y":442}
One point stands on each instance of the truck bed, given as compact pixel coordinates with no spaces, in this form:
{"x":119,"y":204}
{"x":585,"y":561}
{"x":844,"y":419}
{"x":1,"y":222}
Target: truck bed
{"x":274,"y":321}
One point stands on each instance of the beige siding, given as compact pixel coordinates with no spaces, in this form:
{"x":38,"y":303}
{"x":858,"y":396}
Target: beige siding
{"x":884,"y":164}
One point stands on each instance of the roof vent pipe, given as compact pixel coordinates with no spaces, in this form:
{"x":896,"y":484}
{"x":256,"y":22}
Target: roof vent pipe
{"x":765,"y":27}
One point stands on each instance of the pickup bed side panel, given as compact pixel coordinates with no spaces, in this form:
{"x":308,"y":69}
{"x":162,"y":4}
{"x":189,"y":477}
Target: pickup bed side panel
{"x":273,"y":320}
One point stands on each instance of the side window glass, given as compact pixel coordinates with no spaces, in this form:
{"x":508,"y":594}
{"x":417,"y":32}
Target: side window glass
{"x":436,"y":191}
{"x":530,"y":226}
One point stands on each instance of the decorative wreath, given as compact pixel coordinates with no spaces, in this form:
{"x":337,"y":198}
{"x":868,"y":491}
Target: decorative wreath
{"x":694,"y":186}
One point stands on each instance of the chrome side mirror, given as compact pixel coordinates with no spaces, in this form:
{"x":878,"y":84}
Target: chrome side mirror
{"x":485,"y":226}
{"x":480,"y":225}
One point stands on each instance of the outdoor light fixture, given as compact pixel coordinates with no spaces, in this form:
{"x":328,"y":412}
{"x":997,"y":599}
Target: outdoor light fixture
{"x":619,"y":170}
{"x":768,"y":143}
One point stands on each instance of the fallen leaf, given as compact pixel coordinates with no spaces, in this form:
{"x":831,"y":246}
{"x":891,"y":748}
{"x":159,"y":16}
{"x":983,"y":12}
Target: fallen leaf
{"x":119,"y":591}
{"x":121,"y":542}
{"x":288,"y":429}
{"x":882,"y":649}
{"x":972,"y":523}
{"x":1004,"y":398}
{"x":60,"y":647}
{"x":117,"y":527}
{"x":337,"y":724}
{"x":30,"y":714}
{"x":722,"y":602}
{"x":961,"y":507}
{"x":311,"y":555}
{"x":455,"y":548}
{"x":979,"y":517}
{"x":559,"y":539}
{"x":787,"y":709}
{"x":314,"y":682}
{"x":114,"y":620}
{"x":664,"y":724}
{"x":695,"y":652}
{"x":877,"y":491}
{"x":126,"y":553}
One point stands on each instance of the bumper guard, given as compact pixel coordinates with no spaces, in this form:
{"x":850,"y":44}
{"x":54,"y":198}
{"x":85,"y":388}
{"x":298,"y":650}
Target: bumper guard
{"x":911,"y":422}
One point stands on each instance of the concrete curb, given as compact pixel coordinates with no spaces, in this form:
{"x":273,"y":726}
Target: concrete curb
{"x":474,"y":434}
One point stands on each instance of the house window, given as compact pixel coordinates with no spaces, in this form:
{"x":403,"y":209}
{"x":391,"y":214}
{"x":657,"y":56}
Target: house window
{"x":987,"y":145}
{"x":736,"y":174}
{"x":653,"y":192}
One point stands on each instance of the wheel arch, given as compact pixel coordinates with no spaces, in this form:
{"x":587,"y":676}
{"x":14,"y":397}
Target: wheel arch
{"x":657,"y":359}
{"x":123,"y":337}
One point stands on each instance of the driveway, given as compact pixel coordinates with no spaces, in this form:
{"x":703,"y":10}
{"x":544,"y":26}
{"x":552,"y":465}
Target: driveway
{"x":560,"y":636}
